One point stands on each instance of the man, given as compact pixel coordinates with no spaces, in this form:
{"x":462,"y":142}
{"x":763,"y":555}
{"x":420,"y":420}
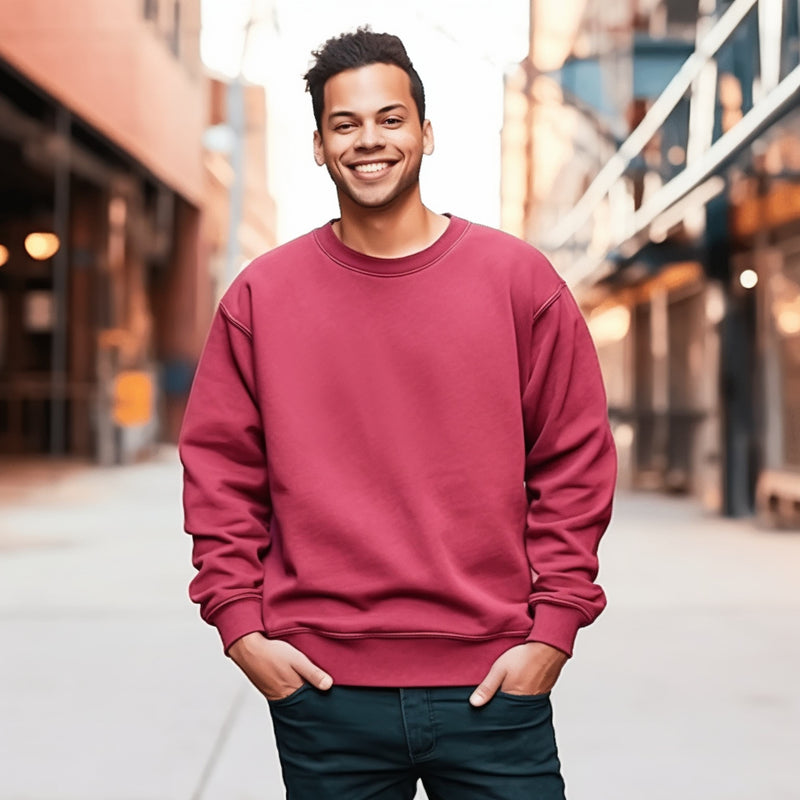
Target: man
{"x":398,"y":467}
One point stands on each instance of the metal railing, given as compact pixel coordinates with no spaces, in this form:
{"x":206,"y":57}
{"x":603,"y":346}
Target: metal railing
{"x":695,"y":183}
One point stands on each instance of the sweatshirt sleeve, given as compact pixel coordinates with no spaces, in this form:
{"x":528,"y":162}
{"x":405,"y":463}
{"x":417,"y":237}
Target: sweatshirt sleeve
{"x":570,"y":472}
{"x":225,"y":485}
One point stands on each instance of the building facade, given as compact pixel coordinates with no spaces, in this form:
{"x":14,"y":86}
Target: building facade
{"x":650,"y":151}
{"x":109,"y":255}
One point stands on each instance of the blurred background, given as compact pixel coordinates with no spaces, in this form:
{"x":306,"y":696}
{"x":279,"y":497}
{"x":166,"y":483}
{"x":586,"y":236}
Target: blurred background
{"x":149,"y":149}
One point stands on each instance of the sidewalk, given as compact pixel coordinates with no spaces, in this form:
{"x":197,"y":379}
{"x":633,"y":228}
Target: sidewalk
{"x":111,"y":688}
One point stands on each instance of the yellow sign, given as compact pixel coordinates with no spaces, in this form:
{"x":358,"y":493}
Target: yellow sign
{"x":133,"y":398}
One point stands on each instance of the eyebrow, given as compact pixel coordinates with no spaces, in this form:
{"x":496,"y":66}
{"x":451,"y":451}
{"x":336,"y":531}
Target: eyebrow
{"x":383,"y":110}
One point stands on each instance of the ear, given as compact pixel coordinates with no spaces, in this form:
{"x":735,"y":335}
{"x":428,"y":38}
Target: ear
{"x":319,"y":150}
{"x":427,"y":137}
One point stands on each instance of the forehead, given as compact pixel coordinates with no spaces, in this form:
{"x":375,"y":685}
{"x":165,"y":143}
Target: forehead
{"x":367,"y":89}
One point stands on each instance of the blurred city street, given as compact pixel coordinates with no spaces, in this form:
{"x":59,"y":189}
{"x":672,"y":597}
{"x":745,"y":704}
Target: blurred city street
{"x":150,"y":151}
{"x":111,"y":688}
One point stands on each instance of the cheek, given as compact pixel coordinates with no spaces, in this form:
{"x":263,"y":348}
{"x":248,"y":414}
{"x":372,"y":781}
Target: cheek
{"x":412,"y":144}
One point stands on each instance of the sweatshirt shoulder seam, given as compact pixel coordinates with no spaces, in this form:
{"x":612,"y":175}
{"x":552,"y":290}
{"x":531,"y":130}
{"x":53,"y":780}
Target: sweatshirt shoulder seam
{"x":550,"y":300}
{"x":235,"y":322}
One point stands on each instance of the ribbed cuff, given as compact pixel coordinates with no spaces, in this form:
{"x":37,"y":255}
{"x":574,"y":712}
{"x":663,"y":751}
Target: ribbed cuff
{"x":556,"y":625}
{"x":237,"y":618}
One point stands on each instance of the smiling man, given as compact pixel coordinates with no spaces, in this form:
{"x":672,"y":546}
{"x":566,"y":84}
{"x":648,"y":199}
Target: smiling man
{"x":397,"y":469}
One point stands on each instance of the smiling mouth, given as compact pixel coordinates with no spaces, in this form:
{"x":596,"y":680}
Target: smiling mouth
{"x":372,"y":169}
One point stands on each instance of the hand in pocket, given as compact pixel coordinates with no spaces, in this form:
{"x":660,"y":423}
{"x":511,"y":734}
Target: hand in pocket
{"x":275,"y":667}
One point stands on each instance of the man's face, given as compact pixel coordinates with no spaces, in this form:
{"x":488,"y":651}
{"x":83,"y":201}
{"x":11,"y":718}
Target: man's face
{"x":372,"y":140}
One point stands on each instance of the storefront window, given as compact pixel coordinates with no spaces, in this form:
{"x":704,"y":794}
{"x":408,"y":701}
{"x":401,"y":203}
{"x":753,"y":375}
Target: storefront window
{"x":786,"y":314}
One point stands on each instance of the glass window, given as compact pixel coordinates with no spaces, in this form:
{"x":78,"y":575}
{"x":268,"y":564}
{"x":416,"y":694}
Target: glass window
{"x":786,"y":314}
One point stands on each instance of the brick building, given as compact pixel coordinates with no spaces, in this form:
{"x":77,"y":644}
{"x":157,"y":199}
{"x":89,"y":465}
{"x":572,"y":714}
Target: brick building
{"x":103,"y":111}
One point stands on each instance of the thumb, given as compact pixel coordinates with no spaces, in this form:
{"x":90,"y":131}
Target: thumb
{"x":487,"y":687}
{"x":308,"y":670}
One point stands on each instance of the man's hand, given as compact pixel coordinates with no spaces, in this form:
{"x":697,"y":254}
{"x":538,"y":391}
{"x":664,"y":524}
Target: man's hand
{"x":274,"y":667}
{"x":530,"y":668}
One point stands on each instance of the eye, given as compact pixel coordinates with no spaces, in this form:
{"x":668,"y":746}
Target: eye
{"x":344,"y":126}
{"x":393,"y":121}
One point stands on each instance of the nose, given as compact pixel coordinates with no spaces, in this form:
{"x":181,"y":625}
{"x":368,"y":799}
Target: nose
{"x":370,"y":136}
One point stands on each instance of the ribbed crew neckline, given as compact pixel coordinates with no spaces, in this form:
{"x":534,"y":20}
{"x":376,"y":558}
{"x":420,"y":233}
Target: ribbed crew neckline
{"x":345,"y":256}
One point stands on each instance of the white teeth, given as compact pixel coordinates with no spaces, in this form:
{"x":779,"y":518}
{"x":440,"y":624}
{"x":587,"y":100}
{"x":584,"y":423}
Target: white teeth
{"x":371,"y":167}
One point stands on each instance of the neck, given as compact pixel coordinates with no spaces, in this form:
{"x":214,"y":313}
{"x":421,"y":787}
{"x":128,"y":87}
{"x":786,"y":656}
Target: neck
{"x":391,"y":232}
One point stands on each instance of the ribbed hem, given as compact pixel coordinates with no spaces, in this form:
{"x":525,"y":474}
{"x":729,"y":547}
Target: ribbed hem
{"x":556,"y":625}
{"x":402,"y":661}
{"x":236,"y":619}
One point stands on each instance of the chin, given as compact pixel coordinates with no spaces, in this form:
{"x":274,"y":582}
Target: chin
{"x":382,"y":203}
{"x":372,"y":202}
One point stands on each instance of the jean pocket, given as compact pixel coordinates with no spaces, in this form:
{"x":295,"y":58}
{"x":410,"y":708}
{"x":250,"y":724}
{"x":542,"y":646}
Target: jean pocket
{"x":284,"y":701}
{"x":524,"y":698}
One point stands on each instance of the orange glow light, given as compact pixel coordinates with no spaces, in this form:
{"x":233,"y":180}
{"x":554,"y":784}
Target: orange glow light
{"x":42,"y":246}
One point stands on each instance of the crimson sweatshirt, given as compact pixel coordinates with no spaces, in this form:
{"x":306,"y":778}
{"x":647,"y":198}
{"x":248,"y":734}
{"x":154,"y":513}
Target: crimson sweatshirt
{"x":400,"y":466}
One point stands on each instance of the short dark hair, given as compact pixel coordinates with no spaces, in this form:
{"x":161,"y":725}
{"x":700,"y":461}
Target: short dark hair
{"x":354,"y":50}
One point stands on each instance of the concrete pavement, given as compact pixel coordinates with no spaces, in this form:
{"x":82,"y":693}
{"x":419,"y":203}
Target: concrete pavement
{"x":112,"y":689}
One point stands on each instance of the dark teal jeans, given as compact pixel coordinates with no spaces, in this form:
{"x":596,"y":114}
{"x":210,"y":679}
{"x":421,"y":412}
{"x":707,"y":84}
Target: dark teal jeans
{"x":359,"y":743}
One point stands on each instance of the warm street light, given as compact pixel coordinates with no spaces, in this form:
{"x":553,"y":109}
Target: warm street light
{"x":789,"y":321}
{"x":3,"y":255}
{"x":748,"y":279}
{"x":609,"y":325}
{"x":42,"y":246}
